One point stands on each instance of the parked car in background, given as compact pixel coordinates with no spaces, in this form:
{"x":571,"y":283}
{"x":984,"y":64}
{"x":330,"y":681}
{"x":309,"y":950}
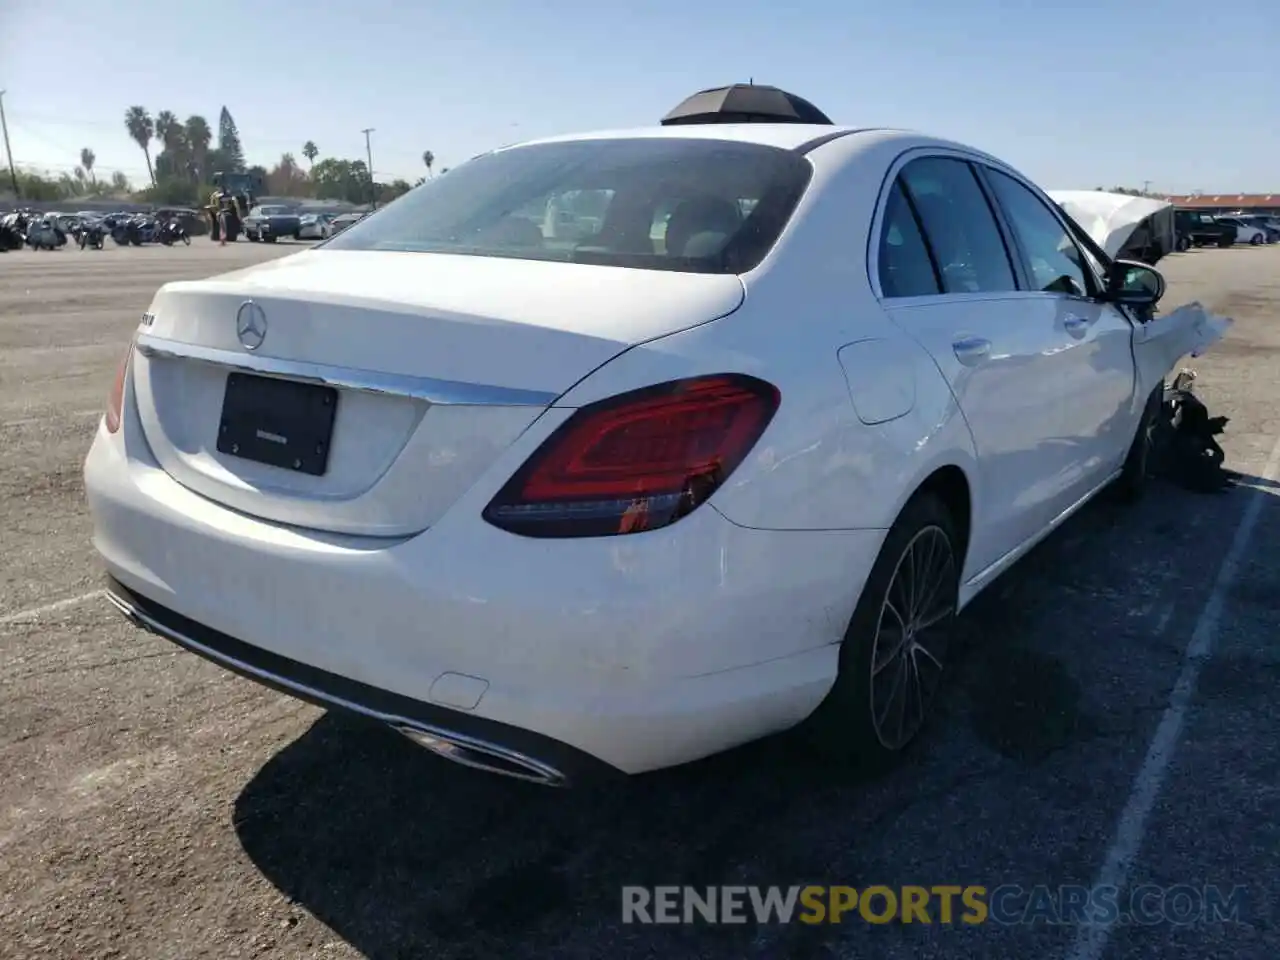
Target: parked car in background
{"x":342,"y":221}
{"x":1203,"y":229}
{"x":1245,"y":232}
{"x":472,"y":456}
{"x":315,"y":226}
{"x":1269,"y":226}
{"x":270,"y":223}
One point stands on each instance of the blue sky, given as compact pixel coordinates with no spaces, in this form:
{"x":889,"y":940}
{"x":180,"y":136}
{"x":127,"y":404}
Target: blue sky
{"x":1180,"y":93}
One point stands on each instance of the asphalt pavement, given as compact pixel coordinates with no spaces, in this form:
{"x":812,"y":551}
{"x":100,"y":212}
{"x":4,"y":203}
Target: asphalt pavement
{"x":1112,"y":719}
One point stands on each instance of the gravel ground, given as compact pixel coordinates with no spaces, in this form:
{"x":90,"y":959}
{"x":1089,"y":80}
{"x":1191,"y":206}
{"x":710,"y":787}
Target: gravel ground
{"x":154,"y":806}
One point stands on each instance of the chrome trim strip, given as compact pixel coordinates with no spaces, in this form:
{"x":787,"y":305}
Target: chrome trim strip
{"x":467,"y":747}
{"x":443,"y":392}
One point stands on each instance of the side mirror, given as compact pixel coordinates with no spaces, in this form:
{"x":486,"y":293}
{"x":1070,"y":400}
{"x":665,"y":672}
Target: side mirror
{"x":1134,"y":284}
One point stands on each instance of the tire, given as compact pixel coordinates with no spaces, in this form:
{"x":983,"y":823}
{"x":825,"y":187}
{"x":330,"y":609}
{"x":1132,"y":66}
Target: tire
{"x":844,"y":727}
{"x":1135,"y":474}
{"x":271,"y":238}
{"x":1256,"y":240}
{"x":1184,"y":245}
{"x":186,"y":240}
{"x":297,"y":235}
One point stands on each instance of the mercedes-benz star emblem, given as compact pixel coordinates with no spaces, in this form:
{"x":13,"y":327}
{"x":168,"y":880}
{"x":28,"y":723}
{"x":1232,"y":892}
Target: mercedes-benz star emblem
{"x":251,"y":325}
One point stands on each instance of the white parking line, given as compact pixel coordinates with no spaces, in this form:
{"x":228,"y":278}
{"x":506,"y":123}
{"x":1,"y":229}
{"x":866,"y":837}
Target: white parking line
{"x":1092,"y":939}
{"x":35,"y":613}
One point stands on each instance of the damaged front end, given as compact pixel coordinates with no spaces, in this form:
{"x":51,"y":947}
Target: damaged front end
{"x":1161,"y":340}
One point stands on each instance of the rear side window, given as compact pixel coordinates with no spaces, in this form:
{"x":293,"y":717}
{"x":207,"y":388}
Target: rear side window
{"x":960,"y":227}
{"x":906,"y":268}
{"x":691,"y":205}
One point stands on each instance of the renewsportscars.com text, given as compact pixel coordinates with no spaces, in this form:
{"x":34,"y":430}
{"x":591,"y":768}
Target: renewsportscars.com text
{"x":942,"y":904}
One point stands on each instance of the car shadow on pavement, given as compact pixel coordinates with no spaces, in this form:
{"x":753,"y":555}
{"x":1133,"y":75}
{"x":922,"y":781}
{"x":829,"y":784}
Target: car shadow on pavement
{"x":405,"y":854}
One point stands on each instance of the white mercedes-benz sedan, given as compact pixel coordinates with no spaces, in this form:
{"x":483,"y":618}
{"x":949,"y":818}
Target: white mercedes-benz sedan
{"x":608,"y":452}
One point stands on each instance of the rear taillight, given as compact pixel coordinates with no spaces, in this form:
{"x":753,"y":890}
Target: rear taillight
{"x":638,"y":461}
{"x":115,"y":402}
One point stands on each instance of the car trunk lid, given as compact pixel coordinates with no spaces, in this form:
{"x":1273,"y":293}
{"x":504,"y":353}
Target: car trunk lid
{"x":427,"y":367}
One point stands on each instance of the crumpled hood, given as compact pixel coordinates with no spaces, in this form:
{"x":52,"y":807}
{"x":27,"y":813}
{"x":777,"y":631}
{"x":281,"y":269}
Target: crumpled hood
{"x":1109,"y":218}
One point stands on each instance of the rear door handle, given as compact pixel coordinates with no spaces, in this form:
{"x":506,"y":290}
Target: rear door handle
{"x":971,"y":350}
{"x":1076,"y":326}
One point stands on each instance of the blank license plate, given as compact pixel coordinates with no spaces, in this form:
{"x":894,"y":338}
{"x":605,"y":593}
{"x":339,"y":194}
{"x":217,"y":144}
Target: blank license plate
{"x":279,"y":422}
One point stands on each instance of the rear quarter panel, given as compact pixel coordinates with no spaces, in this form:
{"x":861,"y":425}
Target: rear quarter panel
{"x":818,"y":465}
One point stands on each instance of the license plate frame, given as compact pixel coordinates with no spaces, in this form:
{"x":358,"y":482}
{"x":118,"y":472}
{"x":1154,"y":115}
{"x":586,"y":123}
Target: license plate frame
{"x":281,"y":423}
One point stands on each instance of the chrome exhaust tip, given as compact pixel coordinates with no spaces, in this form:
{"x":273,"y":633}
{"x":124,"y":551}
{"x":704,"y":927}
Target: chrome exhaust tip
{"x":484,"y":756}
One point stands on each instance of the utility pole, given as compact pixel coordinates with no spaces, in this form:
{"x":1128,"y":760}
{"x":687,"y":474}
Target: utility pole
{"x":1146,"y":186}
{"x":368,"y":152}
{"x":8,"y":151}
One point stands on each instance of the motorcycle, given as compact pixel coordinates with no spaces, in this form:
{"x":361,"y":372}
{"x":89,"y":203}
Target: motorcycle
{"x":172,"y":232}
{"x":135,"y":231}
{"x":13,"y":231}
{"x":92,"y":235}
{"x":46,"y":234}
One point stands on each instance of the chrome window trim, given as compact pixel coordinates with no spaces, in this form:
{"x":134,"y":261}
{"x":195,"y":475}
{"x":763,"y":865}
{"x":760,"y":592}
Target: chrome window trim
{"x":442,"y":392}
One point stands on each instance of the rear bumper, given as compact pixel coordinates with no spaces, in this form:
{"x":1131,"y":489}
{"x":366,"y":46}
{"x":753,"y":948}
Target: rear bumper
{"x":470,"y":740}
{"x":642,"y":654}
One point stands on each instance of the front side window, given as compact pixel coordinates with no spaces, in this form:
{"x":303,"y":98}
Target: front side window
{"x":959,"y":226}
{"x":693,"y":205}
{"x":1054,"y":261}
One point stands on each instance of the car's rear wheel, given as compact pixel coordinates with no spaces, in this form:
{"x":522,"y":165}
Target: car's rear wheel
{"x":1256,"y":240}
{"x":895,"y":648}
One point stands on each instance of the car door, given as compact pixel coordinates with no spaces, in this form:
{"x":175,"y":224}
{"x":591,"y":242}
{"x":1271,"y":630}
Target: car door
{"x":1094,"y":363}
{"x":948,"y":275}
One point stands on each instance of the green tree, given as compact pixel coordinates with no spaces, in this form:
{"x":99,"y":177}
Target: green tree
{"x":173,"y":192}
{"x":120,"y":183}
{"x":199,"y":136}
{"x":390,"y":191}
{"x":229,"y":142}
{"x":286,"y":179}
{"x":335,"y":179}
{"x":428,"y":160}
{"x":87,"y":160}
{"x":32,"y":186}
{"x":174,"y":159}
{"x":310,"y":151}
{"x":141,"y":128}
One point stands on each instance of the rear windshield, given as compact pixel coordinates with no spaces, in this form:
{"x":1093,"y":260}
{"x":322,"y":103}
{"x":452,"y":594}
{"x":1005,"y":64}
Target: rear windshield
{"x":699,"y":206}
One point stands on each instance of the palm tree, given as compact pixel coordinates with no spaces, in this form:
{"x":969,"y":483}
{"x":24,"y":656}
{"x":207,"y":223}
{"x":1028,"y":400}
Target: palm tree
{"x":198,"y":136}
{"x":310,"y":151}
{"x":87,"y":160}
{"x":141,"y":128}
{"x":168,"y":130}
{"x":429,"y":159}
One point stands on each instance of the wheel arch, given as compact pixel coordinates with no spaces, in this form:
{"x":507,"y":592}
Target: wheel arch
{"x":950,"y":485}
